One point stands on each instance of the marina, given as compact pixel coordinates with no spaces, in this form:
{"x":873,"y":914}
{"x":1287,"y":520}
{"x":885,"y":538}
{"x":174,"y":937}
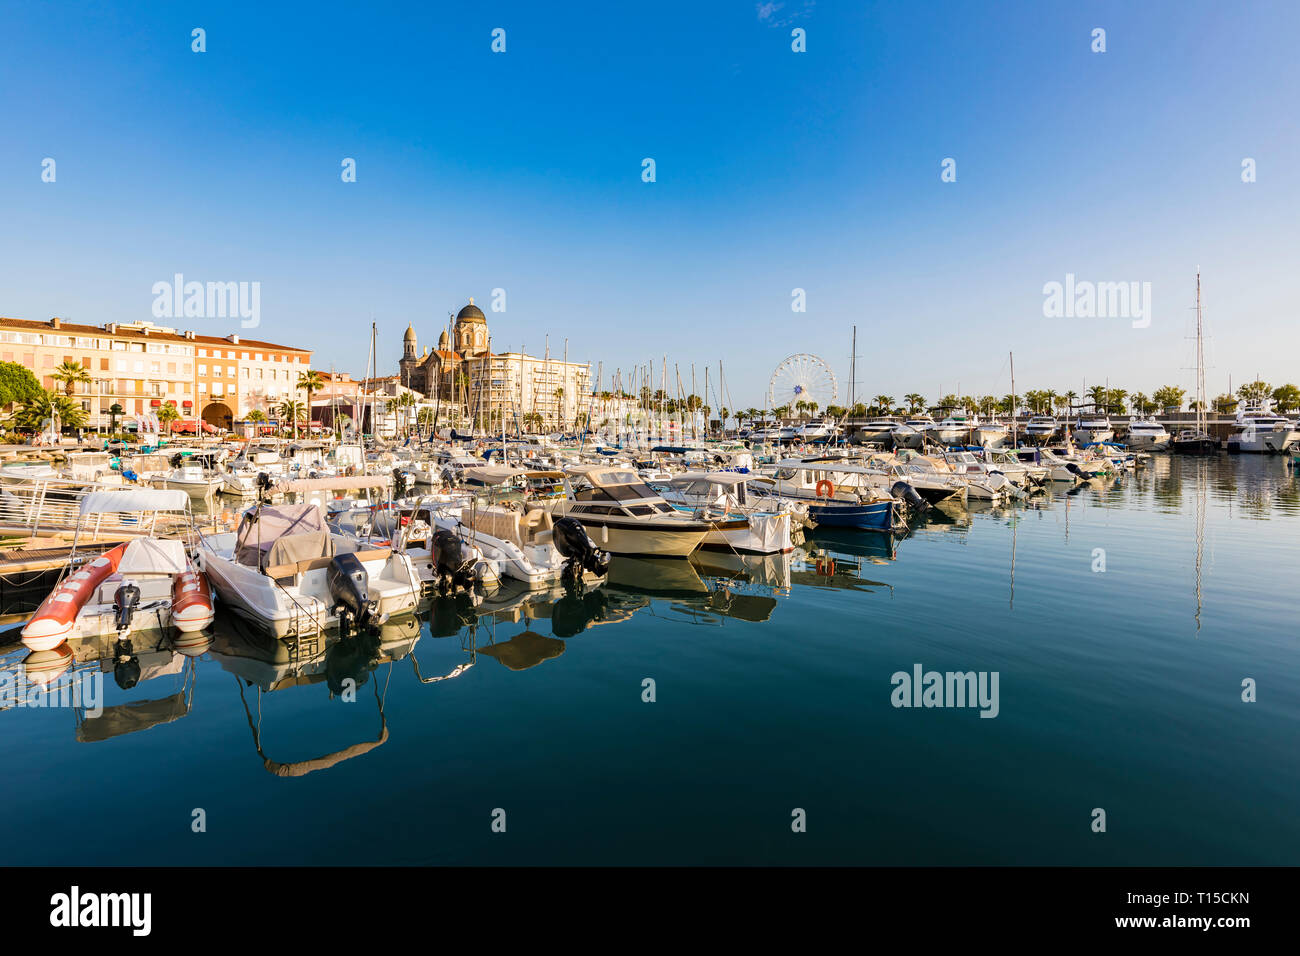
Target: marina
{"x":1191,"y":598}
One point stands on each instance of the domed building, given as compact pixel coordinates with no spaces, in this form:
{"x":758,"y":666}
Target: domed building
{"x":487,"y":385}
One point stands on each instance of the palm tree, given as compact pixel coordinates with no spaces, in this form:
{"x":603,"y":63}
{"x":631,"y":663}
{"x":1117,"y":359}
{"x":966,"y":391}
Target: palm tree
{"x":167,"y":414}
{"x":61,"y":409}
{"x":310,"y":382}
{"x":291,"y":410}
{"x":71,"y":374}
{"x":915,"y":402}
{"x":883,"y":403}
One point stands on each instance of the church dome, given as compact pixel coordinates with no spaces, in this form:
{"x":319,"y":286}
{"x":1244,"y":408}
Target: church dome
{"x":443,"y":343}
{"x":410,"y":334}
{"x":471,"y":313}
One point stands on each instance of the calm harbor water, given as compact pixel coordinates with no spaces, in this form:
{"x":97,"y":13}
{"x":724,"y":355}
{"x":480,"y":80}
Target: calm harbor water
{"x":1119,"y":689}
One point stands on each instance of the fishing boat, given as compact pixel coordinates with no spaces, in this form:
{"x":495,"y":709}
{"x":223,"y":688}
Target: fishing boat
{"x":624,"y":515}
{"x":144,"y":583}
{"x":839,"y":495}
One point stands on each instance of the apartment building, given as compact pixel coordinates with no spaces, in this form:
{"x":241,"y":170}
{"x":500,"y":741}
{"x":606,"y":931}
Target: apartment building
{"x":141,"y":366}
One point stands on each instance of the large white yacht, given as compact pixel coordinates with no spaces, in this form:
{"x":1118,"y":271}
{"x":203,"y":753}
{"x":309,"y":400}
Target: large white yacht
{"x":1093,"y":428}
{"x":1147,"y":434}
{"x":1042,"y":428}
{"x":913,"y":432}
{"x":1261,"y":432}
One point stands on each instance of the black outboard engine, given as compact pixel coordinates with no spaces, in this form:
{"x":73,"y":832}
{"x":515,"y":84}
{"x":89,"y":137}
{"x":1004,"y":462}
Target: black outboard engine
{"x":574,"y":544}
{"x":125,"y":601}
{"x":1075,"y":470}
{"x":901,"y":489}
{"x":126,"y":666}
{"x":399,"y":483}
{"x":349,"y":586}
{"x":263,"y":485}
{"x":453,"y":561}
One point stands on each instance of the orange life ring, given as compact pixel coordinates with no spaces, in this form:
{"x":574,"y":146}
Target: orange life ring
{"x":828,"y":485}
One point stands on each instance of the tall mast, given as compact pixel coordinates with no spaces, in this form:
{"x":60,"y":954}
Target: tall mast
{"x":1013,"y":398}
{"x":1200,"y":361}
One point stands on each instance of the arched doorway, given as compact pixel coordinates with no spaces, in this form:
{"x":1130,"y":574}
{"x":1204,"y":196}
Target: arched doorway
{"x":218,"y":414}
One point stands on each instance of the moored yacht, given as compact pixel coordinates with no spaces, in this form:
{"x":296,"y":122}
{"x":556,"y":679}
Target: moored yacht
{"x":624,"y":515}
{"x":913,"y":432}
{"x":1147,"y":434}
{"x":1090,"y":429}
{"x":1261,"y":432}
{"x":1041,"y":429}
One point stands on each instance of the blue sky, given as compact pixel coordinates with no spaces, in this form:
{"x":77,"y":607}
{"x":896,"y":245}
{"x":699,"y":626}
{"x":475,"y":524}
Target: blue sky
{"x":775,"y":170}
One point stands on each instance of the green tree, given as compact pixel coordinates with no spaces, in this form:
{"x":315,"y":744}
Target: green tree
{"x":1254,"y":392}
{"x":17,"y":384}
{"x":1169,"y":397}
{"x":291,"y":410}
{"x":1224,"y":404}
{"x":71,"y":374}
{"x":167,"y":415}
{"x":915,"y":402}
{"x":50,"y":404}
{"x":1286,"y":397}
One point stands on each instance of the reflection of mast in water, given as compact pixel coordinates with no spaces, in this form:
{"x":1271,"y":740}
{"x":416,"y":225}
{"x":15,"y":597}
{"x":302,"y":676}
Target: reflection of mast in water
{"x":1200,"y":534}
{"x":1015,"y":523}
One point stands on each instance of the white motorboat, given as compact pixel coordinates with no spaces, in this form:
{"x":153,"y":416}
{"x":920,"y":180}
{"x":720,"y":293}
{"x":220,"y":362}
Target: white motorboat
{"x":196,"y":475}
{"x":1041,"y":429}
{"x":877,"y":432}
{"x":287,"y":573}
{"x":992,"y":434}
{"x":913,"y":432}
{"x":1147,"y":434}
{"x":623,"y":515}
{"x":1090,"y":429}
{"x":740,"y":523}
{"x":953,"y":430}
{"x":1259,"y":431}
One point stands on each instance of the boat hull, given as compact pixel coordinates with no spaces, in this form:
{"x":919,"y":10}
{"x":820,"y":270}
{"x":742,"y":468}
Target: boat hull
{"x":873,"y":516}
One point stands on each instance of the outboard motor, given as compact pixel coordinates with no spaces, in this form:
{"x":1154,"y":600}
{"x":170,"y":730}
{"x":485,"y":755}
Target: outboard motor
{"x":901,"y":489}
{"x":264,"y":484}
{"x":399,"y":483}
{"x":125,"y":601}
{"x":1075,"y":470}
{"x":349,"y":586}
{"x":453,"y":560}
{"x":126,"y":666}
{"x":575,"y":545}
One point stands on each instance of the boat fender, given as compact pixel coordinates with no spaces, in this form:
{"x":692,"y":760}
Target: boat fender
{"x":825,"y":488}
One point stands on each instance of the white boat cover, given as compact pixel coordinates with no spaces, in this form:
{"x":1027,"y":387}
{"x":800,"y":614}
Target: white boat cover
{"x":135,"y":499}
{"x":491,"y":474}
{"x":336,"y":484}
{"x":153,"y":556}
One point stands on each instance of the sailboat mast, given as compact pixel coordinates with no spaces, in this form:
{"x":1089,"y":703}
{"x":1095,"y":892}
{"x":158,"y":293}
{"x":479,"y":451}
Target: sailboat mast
{"x":1012,"y":357}
{"x":1200,"y":361}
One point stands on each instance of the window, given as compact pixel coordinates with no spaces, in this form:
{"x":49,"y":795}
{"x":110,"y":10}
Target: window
{"x":203,"y":369}
{"x":230,"y":371}
{"x":216,"y":371}
{"x":103,"y":365}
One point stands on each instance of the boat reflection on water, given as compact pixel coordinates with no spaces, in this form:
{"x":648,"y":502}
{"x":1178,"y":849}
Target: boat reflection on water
{"x":71,"y":676}
{"x":834,"y":558}
{"x":343,"y":661}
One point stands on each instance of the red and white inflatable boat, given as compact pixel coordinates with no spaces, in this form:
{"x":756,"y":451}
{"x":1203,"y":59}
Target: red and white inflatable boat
{"x":143,"y":584}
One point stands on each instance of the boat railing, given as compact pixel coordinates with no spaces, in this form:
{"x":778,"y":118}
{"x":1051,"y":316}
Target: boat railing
{"x":31,"y":507}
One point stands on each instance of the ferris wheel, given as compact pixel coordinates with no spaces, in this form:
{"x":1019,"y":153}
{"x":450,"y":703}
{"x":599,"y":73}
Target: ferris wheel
{"x":802,"y":378}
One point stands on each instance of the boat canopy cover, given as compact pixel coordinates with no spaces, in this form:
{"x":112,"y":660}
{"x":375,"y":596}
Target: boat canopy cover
{"x":300,"y":527}
{"x":713,"y":477}
{"x":341,"y":483}
{"x":492,"y":474}
{"x":145,"y":499}
{"x":153,"y":556}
